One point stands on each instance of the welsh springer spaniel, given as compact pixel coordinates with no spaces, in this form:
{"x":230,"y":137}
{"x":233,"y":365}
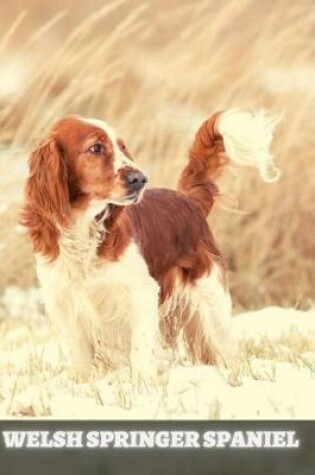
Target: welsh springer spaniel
{"x":124,"y":271}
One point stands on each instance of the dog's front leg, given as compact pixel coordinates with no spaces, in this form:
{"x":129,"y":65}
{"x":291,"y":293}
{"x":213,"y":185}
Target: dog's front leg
{"x":77,"y":321}
{"x":80,"y":355}
{"x":145,"y":338}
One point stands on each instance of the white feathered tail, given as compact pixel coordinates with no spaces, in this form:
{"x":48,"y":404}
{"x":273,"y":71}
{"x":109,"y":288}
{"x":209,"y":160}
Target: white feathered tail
{"x":239,"y":136}
{"x":247,"y":138}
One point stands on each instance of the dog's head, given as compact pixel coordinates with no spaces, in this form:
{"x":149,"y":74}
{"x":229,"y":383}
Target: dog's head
{"x":81,"y":165}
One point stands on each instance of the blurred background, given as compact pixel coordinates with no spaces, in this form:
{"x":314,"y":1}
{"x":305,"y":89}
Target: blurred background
{"x":155,"y":70}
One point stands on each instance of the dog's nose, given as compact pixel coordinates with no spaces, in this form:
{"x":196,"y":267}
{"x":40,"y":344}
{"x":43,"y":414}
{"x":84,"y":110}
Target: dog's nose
{"x":136,"y":180}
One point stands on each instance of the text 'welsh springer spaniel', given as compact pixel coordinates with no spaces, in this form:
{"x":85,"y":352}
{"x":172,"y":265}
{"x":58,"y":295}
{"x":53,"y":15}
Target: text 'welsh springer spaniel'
{"x":124,"y":271}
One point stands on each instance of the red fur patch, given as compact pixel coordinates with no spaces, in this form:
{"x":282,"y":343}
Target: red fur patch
{"x":207,"y":157}
{"x":174,"y":238}
{"x":117,"y":235}
{"x":64,"y":176}
{"x":47,"y":198}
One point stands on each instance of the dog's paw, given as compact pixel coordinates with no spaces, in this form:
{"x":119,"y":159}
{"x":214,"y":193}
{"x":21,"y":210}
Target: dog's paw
{"x":145,"y":373}
{"x":81,"y":366}
{"x":234,"y":378}
{"x":144,"y":376}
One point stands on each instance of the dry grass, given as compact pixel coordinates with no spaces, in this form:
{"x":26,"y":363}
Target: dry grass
{"x":155,"y":70}
{"x":278,"y":380}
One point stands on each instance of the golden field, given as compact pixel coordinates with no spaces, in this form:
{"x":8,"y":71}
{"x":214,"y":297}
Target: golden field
{"x":155,"y":70}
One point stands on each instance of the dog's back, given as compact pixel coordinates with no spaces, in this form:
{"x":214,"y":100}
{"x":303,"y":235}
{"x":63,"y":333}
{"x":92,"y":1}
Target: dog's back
{"x":174,"y":238}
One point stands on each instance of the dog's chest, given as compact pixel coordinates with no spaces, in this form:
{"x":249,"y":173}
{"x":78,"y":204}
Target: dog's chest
{"x":76,"y":264}
{"x":79,"y":283}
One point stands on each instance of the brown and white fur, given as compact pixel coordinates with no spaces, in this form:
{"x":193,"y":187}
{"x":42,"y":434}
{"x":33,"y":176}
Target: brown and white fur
{"x":123,"y":270}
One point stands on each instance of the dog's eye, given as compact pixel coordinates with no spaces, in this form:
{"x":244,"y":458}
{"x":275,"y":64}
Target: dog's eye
{"x":97,"y":148}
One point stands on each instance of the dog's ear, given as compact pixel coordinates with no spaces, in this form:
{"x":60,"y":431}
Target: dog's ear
{"x":47,"y":186}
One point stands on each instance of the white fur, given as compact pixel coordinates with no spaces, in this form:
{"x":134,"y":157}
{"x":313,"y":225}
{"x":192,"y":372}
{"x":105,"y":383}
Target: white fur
{"x":106,"y":309}
{"x":247,"y":137}
{"x":209,"y":303}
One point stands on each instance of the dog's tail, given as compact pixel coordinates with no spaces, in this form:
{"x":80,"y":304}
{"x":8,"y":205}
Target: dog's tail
{"x":234,"y":135}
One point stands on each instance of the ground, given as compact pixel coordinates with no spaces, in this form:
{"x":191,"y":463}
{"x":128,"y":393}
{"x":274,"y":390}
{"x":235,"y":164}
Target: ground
{"x":278,"y":346}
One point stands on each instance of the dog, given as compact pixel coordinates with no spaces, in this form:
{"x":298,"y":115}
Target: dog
{"x":124,"y":270}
